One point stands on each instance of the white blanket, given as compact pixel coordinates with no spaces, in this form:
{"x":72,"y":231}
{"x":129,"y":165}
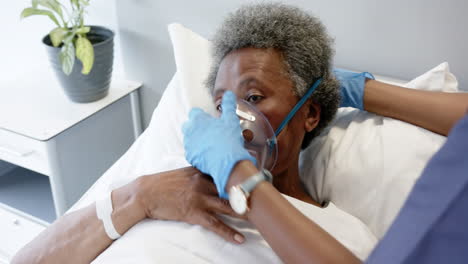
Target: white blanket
{"x":172,"y":242}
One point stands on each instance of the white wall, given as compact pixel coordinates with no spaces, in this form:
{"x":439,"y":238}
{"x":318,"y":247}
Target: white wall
{"x":398,"y":38}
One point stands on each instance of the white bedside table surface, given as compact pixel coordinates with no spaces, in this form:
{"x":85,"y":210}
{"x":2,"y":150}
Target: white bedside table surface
{"x":36,"y":106}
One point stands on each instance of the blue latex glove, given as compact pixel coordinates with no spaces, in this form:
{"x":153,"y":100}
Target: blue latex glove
{"x":215,"y":145}
{"x":352,"y":87}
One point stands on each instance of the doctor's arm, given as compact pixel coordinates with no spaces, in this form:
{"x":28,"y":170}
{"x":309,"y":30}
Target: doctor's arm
{"x":434,"y":111}
{"x":182,"y":195}
{"x":294,"y":237}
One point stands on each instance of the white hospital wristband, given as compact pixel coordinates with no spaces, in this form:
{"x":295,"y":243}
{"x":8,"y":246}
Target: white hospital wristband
{"x":104,"y":213}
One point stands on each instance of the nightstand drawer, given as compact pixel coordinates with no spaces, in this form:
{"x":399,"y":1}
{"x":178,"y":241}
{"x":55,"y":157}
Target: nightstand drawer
{"x":16,"y":230}
{"x":24,"y":151}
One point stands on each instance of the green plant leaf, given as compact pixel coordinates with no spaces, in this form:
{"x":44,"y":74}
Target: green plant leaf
{"x":52,"y":5}
{"x":83,"y":30}
{"x":34,"y":3}
{"x":85,"y":53}
{"x":57,"y":36}
{"x":67,"y":57}
{"x":34,"y":11}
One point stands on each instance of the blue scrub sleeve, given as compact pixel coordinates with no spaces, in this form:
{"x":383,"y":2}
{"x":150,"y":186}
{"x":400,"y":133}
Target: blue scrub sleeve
{"x":432,"y":225}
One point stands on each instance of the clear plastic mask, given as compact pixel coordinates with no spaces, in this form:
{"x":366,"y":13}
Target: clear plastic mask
{"x":259,"y":137}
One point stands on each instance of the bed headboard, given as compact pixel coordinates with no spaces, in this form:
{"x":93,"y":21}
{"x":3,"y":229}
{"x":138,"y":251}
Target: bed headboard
{"x":399,"y":38}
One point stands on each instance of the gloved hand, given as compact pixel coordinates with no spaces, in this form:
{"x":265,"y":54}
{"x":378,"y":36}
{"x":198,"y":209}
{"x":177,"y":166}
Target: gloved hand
{"x":215,"y":145}
{"x":352,"y":87}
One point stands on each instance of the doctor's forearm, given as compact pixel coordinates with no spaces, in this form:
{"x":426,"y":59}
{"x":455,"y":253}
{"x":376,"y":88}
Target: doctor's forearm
{"x":79,"y":237}
{"x":435,"y":111}
{"x":293,"y":237}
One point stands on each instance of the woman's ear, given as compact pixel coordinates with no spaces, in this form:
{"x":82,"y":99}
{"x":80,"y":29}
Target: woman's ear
{"x":313,"y":117}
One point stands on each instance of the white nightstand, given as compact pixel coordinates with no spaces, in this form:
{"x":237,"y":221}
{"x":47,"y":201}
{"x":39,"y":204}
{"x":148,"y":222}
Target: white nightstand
{"x":73,"y":144}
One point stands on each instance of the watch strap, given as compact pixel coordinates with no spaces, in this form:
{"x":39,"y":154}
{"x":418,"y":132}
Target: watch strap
{"x":250,"y":184}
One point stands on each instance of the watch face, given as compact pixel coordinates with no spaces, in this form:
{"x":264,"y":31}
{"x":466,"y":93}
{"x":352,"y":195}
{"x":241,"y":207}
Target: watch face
{"x":237,"y":200}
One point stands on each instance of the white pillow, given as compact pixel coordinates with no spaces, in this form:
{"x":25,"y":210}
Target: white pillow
{"x":367,"y":164}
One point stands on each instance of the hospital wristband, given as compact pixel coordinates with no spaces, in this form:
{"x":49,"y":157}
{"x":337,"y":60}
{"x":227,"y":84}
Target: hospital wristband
{"x":104,"y":213}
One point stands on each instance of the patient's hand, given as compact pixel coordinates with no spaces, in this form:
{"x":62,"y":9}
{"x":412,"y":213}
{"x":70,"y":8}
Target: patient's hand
{"x":186,"y":195}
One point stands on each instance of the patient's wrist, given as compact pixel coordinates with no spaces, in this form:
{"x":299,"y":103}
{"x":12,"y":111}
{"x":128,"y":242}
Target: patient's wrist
{"x":128,"y":209}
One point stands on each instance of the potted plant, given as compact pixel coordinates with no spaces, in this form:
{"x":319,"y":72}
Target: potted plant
{"x":81,"y":55}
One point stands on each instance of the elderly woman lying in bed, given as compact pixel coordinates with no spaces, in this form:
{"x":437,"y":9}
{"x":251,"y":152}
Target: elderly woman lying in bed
{"x":269,"y":55}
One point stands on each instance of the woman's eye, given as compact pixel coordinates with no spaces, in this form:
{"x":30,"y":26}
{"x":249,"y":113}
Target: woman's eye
{"x":254,"y":98}
{"x":219,"y":108}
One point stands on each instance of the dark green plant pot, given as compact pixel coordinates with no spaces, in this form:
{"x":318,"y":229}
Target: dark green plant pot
{"x":82,"y":88}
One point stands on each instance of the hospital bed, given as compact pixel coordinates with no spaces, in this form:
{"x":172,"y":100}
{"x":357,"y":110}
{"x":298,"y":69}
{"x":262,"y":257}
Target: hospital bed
{"x":359,"y":149}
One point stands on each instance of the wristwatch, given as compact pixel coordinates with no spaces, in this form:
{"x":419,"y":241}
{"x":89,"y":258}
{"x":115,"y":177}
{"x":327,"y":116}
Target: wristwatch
{"x":239,"y":194}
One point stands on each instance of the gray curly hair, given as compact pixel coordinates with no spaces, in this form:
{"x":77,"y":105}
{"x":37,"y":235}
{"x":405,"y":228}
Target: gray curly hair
{"x":303,"y":42}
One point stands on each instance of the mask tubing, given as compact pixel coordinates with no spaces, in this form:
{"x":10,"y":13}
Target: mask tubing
{"x":298,"y":106}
